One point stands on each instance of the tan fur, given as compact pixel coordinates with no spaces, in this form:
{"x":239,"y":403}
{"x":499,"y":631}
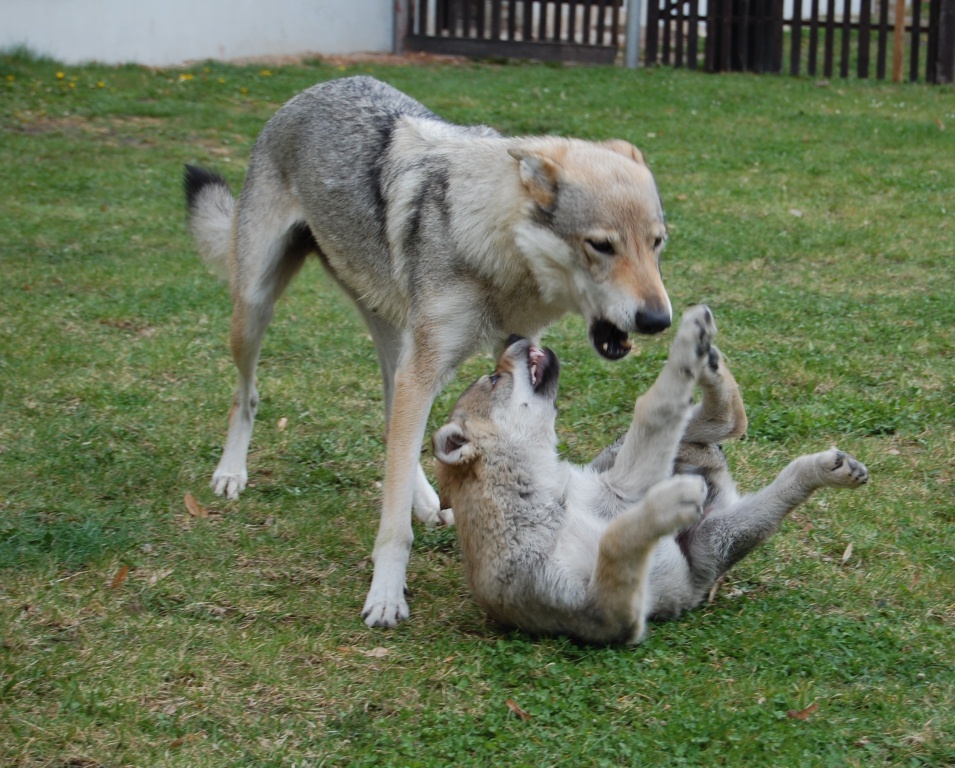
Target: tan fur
{"x":644,"y":531}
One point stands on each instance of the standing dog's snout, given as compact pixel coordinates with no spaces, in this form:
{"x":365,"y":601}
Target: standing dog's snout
{"x":652,"y":321}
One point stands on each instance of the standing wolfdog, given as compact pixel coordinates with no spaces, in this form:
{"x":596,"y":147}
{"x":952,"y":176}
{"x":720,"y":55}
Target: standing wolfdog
{"x":448,"y":239}
{"x":645,"y":530}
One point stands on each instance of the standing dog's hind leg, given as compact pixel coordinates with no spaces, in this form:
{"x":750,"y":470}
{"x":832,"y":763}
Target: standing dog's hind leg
{"x":256,"y":287}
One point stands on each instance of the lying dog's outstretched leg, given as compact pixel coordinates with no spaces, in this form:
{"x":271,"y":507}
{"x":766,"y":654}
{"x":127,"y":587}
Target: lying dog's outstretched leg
{"x":725,"y":536}
{"x":649,"y":447}
{"x":618,"y":587}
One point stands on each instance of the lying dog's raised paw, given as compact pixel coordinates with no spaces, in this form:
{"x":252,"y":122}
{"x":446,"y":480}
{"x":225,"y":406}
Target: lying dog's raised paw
{"x":843,"y":470}
{"x":692,"y":345}
{"x":676,"y":503}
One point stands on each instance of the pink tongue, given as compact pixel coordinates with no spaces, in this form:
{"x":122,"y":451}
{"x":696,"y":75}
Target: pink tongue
{"x":535,"y":357}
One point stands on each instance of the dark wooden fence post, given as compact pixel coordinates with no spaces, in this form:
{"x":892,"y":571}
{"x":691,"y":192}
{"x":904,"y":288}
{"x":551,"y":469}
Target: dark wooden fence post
{"x":944,"y":58}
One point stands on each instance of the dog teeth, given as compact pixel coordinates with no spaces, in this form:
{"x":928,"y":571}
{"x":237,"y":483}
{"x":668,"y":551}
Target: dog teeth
{"x":534,"y":374}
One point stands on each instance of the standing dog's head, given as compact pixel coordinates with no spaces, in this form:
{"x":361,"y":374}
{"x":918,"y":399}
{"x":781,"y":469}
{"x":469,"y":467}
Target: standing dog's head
{"x":513,"y":409}
{"x":594,"y":235}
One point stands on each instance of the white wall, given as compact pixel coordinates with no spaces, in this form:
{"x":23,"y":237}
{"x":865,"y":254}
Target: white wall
{"x":164,"y":32}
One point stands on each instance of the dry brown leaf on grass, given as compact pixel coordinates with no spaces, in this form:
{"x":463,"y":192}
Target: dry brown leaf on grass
{"x":376,"y":653}
{"x":518,"y":712}
{"x":194,"y":507}
{"x":803,"y":714}
{"x":120,"y":577}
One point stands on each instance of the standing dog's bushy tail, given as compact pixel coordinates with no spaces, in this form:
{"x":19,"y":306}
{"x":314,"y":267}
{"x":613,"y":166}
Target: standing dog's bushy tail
{"x":211,"y":207}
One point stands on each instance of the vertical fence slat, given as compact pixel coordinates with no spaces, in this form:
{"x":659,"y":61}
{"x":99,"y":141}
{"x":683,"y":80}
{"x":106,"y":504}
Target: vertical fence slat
{"x":601,"y":8}
{"x":777,"y":21}
{"x":795,"y":38}
{"x":883,"y":51}
{"x":813,"y":37}
{"x":945,"y":51}
{"x":667,"y":30}
{"x":680,"y":61}
{"x":865,"y":24}
{"x":743,"y":31}
{"x":653,"y":33}
{"x":916,"y":39}
{"x":846,"y":37}
{"x":898,"y":41}
{"x":615,"y":24}
{"x":829,"y":52}
{"x":693,"y":41}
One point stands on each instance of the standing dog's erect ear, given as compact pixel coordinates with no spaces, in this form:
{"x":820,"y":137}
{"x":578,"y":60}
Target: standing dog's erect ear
{"x":538,"y":175}
{"x":451,"y":444}
{"x":626,"y":149}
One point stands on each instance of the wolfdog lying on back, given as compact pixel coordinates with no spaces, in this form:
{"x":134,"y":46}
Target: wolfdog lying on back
{"x":645,"y":530}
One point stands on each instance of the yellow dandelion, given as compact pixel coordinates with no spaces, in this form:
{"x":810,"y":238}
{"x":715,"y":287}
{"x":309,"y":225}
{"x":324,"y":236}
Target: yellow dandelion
{"x":266,"y":73}
{"x":184,"y":77}
{"x":243,"y":90}
{"x":60,"y":75}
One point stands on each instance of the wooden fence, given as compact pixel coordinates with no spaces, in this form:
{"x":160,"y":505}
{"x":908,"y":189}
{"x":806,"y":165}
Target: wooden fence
{"x":818,"y":38}
{"x":586,"y":31}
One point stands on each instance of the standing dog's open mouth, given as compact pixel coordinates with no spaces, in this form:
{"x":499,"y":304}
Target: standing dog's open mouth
{"x":609,"y":341}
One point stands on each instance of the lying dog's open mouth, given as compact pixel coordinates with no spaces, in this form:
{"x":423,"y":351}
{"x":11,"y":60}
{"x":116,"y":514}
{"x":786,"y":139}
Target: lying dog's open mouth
{"x":609,"y":341}
{"x":544,"y":368}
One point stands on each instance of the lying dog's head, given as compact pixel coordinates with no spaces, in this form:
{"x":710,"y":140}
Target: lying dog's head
{"x":594,"y":236}
{"x":514,"y":407}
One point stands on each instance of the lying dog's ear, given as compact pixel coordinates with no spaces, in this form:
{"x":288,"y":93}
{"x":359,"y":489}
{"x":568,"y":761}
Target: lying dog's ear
{"x":451,"y":444}
{"x":538,"y":175}
{"x":626,"y":149}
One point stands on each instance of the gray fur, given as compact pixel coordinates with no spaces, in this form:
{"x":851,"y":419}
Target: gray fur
{"x":642,"y":532}
{"x":448,"y":238}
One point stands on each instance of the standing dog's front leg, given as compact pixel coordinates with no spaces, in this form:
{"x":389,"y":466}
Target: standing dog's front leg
{"x":385,"y":605}
{"x":659,"y":417}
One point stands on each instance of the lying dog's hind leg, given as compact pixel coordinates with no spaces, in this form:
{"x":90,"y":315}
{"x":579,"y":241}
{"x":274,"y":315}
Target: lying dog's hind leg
{"x":256,"y":285}
{"x":725,"y":536}
{"x":720,"y":414}
{"x":618,"y":588}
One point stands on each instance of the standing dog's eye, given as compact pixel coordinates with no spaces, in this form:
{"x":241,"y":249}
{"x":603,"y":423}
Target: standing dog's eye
{"x":601,"y":246}
{"x":657,"y":242}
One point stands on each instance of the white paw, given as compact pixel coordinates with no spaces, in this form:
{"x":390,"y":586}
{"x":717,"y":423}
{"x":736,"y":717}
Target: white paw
{"x":229,"y":484}
{"x":691,"y":347}
{"x":385,"y":610}
{"x":677,"y":503}
{"x":841,"y":470}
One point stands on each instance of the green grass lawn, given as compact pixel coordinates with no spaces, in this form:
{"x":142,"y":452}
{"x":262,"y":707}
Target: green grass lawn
{"x":817,"y":220}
